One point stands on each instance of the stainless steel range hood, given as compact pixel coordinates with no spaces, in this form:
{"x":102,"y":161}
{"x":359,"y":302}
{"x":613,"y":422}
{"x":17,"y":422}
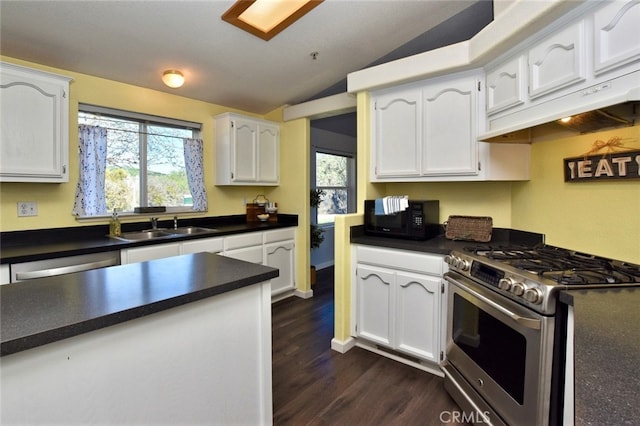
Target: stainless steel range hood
{"x":608,"y":105}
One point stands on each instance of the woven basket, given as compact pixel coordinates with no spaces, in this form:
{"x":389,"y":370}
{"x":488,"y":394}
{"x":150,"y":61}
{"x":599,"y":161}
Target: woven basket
{"x":469,"y":228}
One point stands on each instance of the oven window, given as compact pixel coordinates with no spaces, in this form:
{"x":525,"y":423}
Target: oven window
{"x":497,"y":348}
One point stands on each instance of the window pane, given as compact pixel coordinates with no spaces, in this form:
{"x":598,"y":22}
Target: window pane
{"x":333,"y":202}
{"x":167,"y":178}
{"x":164,"y":169}
{"x":331,"y":170}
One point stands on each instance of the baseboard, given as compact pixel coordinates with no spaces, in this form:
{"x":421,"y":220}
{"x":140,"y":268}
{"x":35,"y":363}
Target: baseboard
{"x":342,"y":346}
{"x":282,"y":295}
{"x":303,"y":294}
{"x":419,"y":364}
{"x":324,"y":265}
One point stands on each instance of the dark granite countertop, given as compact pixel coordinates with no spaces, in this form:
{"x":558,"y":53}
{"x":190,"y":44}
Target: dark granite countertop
{"x":27,"y":246}
{"x":442,"y":245}
{"x":607,"y":355}
{"x":46,"y":310}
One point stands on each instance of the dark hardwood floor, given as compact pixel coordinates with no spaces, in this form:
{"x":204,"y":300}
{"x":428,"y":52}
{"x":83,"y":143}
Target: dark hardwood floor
{"x":314,"y":385}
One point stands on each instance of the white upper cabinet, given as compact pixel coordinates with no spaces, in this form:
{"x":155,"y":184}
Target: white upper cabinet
{"x":247,"y":151}
{"x":616,"y":35}
{"x":558,"y":61}
{"x":450,"y":126}
{"x":397,"y":132}
{"x":34,"y":144}
{"x":506,"y":85}
{"x":427,"y":132}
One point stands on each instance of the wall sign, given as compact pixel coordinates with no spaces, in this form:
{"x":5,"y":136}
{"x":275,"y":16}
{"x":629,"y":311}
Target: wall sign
{"x":616,"y":165}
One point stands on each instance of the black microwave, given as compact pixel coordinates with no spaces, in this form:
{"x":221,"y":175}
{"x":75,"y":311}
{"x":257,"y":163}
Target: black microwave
{"x":420,"y":221}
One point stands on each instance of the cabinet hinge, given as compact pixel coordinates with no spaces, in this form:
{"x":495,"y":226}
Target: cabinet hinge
{"x":442,"y":288}
{"x":479,"y":166}
{"x":233,"y":124}
{"x":64,"y":169}
{"x":64,"y":93}
{"x":231,"y":175}
{"x":441,"y":356}
{"x":478,"y":86}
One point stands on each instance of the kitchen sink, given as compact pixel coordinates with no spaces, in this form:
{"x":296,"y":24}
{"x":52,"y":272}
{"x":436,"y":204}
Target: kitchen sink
{"x":144,"y":235}
{"x":191,"y":230}
{"x":151,"y":234}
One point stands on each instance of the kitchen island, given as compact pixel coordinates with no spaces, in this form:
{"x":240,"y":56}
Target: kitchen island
{"x":185,"y":339}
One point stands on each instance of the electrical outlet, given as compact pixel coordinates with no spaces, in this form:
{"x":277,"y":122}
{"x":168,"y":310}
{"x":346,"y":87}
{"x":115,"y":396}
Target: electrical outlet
{"x":27,"y":208}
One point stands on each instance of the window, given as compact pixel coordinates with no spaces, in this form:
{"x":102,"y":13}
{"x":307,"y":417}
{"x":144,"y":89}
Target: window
{"x":145,"y":160}
{"x":334,"y":175}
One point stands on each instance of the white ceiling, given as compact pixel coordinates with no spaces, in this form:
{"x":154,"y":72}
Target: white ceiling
{"x":135,"y":41}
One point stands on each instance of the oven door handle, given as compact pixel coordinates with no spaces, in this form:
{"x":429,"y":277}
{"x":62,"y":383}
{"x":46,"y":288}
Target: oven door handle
{"x":532,"y":323}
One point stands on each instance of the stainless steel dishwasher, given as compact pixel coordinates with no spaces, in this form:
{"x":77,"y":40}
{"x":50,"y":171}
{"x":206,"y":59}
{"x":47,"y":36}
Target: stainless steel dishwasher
{"x":63,"y":265}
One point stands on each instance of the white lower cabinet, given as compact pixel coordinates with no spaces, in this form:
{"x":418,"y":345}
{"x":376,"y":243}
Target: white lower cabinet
{"x":279,"y":252}
{"x":143,"y":254}
{"x":398,"y":301}
{"x":274,"y":248}
{"x":5,"y":275}
{"x":247,"y":247}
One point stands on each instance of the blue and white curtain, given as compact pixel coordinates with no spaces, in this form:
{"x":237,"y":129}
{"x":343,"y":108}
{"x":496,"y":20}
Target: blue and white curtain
{"x":90,"y":192}
{"x":193,"y":160}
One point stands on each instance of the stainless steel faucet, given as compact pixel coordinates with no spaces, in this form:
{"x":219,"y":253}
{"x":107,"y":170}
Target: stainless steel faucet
{"x":154,"y":223}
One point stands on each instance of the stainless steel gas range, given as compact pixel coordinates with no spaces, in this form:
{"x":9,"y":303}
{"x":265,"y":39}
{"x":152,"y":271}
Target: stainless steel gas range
{"x":506,"y":330}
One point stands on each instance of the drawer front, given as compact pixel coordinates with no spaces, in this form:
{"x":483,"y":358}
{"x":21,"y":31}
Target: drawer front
{"x":243,"y":240}
{"x":402,"y":259}
{"x":211,"y":245}
{"x":279,"y":235}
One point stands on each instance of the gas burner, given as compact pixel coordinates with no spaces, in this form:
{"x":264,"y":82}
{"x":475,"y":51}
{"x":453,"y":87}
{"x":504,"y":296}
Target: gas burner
{"x":630,"y":270}
{"x":581,"y":277}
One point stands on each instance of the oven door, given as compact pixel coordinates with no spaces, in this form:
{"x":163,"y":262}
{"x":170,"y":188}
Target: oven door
{"x":502,"y":350}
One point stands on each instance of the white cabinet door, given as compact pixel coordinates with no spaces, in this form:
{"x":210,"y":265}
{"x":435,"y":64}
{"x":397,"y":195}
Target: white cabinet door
{"x":247,"y":151}
{"x":34,"y":142}
{"x":418,"y":315}
{"x":506,"y":85}
{"x":142,"y":254}
{"x":5,"y":275}
{"x":211,"y":245}
{"x":244,"y":155}
{"x":281,"y":255}
{"x":396,"y":133}
{"x":450,"y":127}
{"x":268,"y":153}
{"x":248,"y":254}
{"x":374,"y":304}
{"x":558,"y":61}
{"x":616,"y":35}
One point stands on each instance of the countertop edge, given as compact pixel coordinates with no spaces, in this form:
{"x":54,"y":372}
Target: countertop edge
{"x":92,"y":323}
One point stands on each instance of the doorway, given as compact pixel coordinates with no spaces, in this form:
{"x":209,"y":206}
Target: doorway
{"x":333,"y":170}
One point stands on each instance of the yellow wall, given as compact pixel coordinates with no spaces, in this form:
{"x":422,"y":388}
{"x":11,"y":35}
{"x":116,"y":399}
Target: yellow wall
{"x":601,"y":218}
{"x":55,"y":201}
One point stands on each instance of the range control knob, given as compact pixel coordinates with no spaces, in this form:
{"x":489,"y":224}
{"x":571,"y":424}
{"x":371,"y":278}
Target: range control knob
{"x":533,"y":295}
{"x":449,"y":260}
{"x":505,"y":283}
{"x":517,"y":288}
{"x":463,"y":264}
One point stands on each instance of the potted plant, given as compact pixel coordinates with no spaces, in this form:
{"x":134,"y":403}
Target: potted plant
{"x":315,"y":238}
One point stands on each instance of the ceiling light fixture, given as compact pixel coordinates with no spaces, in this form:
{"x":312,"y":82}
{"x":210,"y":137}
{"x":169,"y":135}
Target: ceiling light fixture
{"x":266,"y":18}
{"x":173,"y":78}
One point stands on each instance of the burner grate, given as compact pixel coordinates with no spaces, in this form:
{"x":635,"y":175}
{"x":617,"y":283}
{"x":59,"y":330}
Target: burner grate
{"x":561,"y":265}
